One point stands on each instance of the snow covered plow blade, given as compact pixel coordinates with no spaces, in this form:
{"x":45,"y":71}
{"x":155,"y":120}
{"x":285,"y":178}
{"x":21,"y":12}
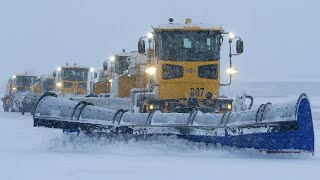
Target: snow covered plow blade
{"x":273,"y":128}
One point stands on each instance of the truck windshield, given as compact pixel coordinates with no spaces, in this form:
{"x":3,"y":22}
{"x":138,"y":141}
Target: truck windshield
{"x":74,"y":74}
{"x":189,"y":45}
{"x":26,"y":80}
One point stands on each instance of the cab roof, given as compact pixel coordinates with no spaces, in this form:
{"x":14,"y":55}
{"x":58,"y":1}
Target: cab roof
{"x":127,"y":54}
{"x":188,"y":26}
{"x":75,"y":66}
{"x":25,"y":75}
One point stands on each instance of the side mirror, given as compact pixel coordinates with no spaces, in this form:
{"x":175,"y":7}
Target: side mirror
{"x":105,"y":65}
{"x":54,"y":74}
{"x":239,"y":46}
{"x":95,"y":75}
{"x":141,"y":46}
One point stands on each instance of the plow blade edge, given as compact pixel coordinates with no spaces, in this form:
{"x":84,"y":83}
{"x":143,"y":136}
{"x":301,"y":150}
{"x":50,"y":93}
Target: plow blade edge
{"x":274,"y":128}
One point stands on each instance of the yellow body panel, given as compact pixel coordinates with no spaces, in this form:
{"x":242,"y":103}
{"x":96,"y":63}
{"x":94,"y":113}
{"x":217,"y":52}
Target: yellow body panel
{"x":74,"y":89}
{"x":37,"y":88}
{"x":102,"y":87}
{"x":126,"y":83}
{"x":190,"y":83}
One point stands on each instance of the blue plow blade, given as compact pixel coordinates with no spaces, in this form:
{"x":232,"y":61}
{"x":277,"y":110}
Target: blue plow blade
{"x":68,"y":131}
{"x":301,"y":139}
{"x":271,"y":128}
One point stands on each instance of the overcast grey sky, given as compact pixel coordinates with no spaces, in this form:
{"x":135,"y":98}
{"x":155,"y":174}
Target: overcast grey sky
{"x":281,"y":37}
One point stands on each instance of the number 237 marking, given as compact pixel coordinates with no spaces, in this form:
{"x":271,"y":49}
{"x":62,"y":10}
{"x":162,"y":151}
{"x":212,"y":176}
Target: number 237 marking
{"x":197,"y":91}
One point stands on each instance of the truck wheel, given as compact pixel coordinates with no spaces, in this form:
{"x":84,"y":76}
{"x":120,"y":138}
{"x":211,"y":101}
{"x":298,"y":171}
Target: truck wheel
{"x":22,"y":110}
{"x":5,"y":106}
{"x":6,"y":109}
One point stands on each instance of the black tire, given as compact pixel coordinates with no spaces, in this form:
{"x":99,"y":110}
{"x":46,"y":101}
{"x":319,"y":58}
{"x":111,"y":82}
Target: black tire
{"x":22,"y":110}
{"x":11,"y":106}
{"x":5,"y":105}
{"x":6,"y":109}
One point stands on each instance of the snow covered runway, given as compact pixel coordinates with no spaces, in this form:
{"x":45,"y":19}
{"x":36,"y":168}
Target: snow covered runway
{"x":39,"y":153}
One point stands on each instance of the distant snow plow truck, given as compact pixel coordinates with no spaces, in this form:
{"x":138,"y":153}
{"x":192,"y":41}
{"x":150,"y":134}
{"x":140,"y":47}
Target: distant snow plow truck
{"x":19,"y":97}
{"x":177,"y":92}
{"x":73,"y":80}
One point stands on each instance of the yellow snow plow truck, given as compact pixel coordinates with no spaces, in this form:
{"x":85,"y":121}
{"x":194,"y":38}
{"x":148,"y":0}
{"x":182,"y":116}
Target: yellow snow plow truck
{"x":179,"y":71}
{"x":73,"y":80}
{"x":184,"y":68}
{"x":172,"y":87}
{"x":17,"y":98}
{"x":43,"y":85}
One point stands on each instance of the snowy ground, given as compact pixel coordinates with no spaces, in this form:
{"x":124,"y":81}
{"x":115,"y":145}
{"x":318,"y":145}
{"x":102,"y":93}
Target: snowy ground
{"x":39,"y":153}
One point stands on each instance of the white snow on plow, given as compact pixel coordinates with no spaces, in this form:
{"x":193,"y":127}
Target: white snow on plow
{"x":41,"y":153}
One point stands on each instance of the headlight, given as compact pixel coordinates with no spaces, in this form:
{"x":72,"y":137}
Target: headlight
{"x":59,"y":84}
{"x":59,"y":69}
{"x":112,"y":58}
{"x":110,"y":80}
{"x":67,"y":84}
{"x":91,"y":69}
{"x":232,"y":71}
{"x":151,"y":70}
{"x":82,"y":85}
{"x":229,"y":106}
{"x":231,"y":35}
{"x":14,"y":88}
{"x":14,"y":76}
{"x":150,"y":35}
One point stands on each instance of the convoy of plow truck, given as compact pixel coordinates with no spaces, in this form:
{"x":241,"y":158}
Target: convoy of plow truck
{"x":172,"y":87}
{"x":24,"y":90}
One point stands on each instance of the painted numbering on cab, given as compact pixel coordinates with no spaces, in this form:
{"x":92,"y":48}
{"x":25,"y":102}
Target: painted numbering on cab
{"x":197,"y":92}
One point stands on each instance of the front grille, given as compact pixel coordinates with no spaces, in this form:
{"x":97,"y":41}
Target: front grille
{"x":208,"y":71}
{"x":170,"y":71}
{"x":82,"y":85}
{"x":67,"y":84}
{"x":21,"y":89}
